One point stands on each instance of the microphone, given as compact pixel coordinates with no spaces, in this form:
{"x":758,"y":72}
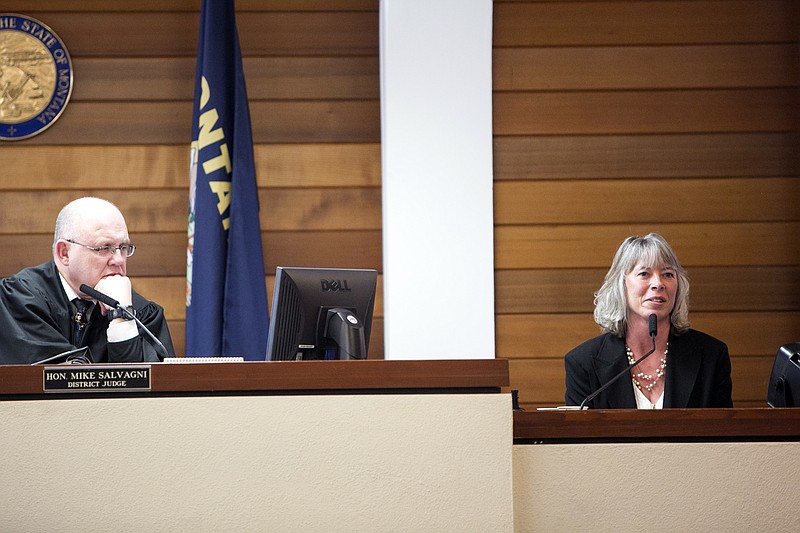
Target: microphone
{"x":111,"y":302}
{"x":653,"y":328}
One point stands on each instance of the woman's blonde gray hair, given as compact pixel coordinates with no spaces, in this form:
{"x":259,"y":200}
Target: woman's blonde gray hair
{"x":610,"y":301}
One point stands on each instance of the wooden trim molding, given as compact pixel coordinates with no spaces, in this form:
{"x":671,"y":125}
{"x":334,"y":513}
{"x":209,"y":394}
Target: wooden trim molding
{"x":277,"y":377}
{"x":621,"y":425}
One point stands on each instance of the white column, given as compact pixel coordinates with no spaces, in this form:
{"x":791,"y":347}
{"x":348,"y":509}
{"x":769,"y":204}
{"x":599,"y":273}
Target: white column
{"x":436,"y":121}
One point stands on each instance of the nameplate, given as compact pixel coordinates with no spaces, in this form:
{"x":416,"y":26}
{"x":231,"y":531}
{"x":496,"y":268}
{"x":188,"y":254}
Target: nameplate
{"x":123,"y":378}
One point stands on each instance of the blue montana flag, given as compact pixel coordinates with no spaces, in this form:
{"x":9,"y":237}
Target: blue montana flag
{"x":226,"y":297}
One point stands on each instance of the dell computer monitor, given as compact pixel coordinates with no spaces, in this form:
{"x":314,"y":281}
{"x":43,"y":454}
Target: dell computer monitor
{"x":321,"y":313}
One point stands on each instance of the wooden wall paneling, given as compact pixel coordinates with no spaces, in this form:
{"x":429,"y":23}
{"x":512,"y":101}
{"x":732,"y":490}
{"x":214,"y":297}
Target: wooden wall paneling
{"x":24,"y":250}
{"x":750,"y":376}
{"x":736,"y":329}
{"x":624,"y":112}
{"x":745,"y":404}
{"x":302,"y":121}
{"x":542,"y":340}
{"x":631,"y":23}
{"x":540,"y":375}
{"x":22,"y":6}
{"x":310,"y":33}
{"x":571,"y":290}
{"x":376,"y":346}
{"x":83,"y":167}
{"x":177,"y":329}
{"x":311,"y":66}
{"x":543,"y":336}
{"x":541,"y":381}
{"x":596,"y":103}
{"x":319,"y":165}
{"x":696,"y":244}
{"x":644,"y":67}
{"x":321,"y":209}
{"x":154,"y":34}
{"x":311,"y":121}
{"x":709,"y":155}
{"x":161,"y":166}
{"x":612,"y":201}
{"x":354,"y":209}
{"x":551,"y":290}
{"x":330,"y":208}
{"x":164,"y":254}
{"x":144,"y":210}
{"x":170,"y":292}
{"x":172,"y":78}
{"x":766,"y":288}
{"x":334,"y":249}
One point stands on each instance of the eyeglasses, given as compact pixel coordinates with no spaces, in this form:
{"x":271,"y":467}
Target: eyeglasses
{"x":124,"y":249}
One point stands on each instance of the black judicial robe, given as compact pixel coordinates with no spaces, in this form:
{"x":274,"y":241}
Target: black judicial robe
{"x":698,"y":372}
{"x":36,"y":322}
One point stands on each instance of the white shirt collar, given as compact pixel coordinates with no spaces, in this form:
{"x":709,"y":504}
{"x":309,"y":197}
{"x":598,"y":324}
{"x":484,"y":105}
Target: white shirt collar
{"x":71,"y":294}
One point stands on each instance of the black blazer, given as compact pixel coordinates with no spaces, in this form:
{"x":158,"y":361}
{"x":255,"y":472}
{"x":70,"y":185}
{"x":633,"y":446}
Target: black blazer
{"x":698,"y":372}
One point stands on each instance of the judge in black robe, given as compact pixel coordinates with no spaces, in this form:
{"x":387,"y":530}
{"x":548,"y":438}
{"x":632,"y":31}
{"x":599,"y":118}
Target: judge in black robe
{"x":37,"y":322}
{"x":40,"y":313}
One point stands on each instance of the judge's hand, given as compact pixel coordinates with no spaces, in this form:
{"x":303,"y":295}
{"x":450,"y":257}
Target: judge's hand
{"x":117,"y":287}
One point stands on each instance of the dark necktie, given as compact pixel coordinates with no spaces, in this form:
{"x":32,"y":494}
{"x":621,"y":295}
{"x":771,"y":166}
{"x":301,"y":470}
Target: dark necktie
{"x":81,"y":319}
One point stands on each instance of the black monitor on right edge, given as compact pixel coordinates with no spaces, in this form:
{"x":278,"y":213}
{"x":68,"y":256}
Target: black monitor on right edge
{"x":784,"y":381}
{"x":321,"y":313}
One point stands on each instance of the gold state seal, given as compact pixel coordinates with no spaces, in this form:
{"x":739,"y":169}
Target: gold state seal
{"x":35,"y":77}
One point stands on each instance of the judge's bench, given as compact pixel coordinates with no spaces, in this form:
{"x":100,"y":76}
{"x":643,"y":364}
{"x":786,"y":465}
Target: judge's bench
{"x":372,"y":446}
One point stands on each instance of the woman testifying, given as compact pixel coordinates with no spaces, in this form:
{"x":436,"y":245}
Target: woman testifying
{"x":687,"y":369}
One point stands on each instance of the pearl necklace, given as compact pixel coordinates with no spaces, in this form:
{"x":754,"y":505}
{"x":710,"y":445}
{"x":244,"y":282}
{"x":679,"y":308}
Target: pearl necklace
{"x":637,"y":376}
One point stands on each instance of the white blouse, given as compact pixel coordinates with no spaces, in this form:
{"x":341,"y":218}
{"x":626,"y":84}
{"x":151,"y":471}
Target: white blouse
{"x":643,"y":403}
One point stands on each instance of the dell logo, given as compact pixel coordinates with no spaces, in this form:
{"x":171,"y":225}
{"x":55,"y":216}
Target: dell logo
{"x":334,"y":285}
